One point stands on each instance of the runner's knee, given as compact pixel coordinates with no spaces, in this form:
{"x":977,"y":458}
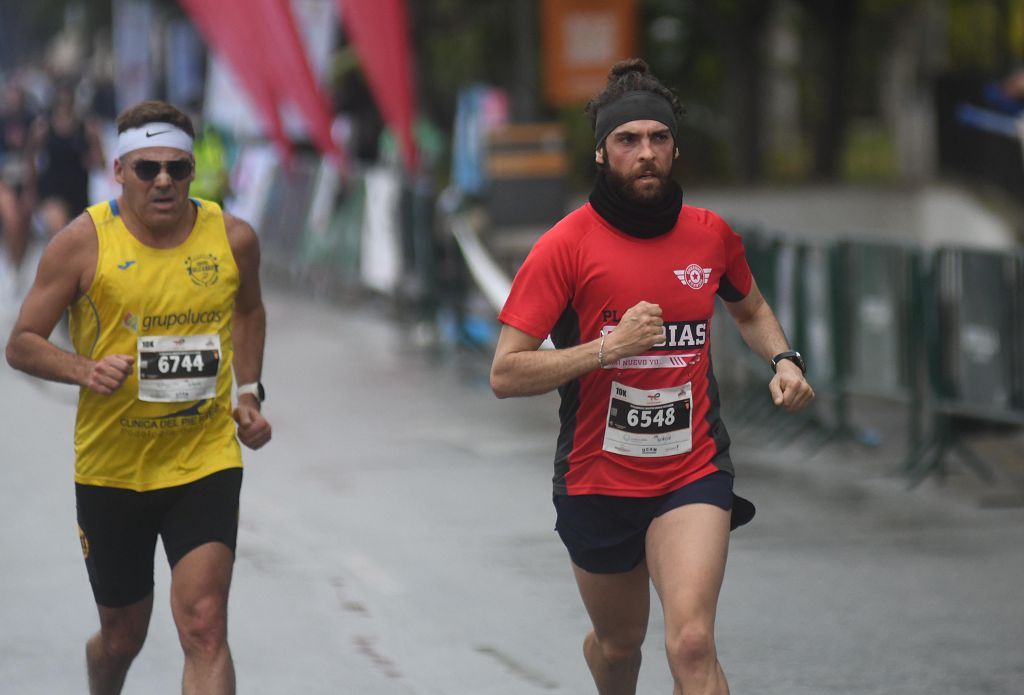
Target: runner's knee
{"x":621,"y":647}
{"x":122,"y":643}
{"x":691,"y":646}
{"x":202,"y":625}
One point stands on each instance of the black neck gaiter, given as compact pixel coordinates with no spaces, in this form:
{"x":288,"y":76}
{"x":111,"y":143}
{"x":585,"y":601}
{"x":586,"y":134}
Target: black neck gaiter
{"x":643,"y":220}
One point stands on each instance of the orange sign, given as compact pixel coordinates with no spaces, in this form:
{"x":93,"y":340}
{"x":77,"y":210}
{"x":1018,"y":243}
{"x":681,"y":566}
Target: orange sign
{"x":581,"y":40}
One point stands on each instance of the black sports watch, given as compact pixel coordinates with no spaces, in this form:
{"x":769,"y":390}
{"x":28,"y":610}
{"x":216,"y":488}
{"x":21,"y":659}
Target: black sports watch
{"x":253,"y":389}
{"x":791,"y":355}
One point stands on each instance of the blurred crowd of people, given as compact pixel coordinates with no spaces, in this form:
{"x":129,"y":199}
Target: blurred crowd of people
{"x":49,"y":143}
{"x":57,"y":136}
{"x":53,"y":163}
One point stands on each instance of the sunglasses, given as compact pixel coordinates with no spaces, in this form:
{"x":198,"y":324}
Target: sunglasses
{"x":148,"y":169}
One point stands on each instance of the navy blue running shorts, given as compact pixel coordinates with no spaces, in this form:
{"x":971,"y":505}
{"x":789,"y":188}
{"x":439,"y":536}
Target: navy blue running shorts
{"x":118,"y":529}
{"x":606,"y":534}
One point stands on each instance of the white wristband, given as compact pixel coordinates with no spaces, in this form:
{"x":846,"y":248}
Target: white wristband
{"x":252,"y":389}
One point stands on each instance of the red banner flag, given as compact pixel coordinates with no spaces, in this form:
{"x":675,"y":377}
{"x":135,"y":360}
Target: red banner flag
{"x":379,"y":31}
{"x":261,"y":43}
{"x":219,"y":26}
{"x":277,"y":39}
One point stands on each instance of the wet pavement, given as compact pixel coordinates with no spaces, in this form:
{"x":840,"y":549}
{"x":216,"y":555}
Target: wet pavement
{"x":396,"y":538}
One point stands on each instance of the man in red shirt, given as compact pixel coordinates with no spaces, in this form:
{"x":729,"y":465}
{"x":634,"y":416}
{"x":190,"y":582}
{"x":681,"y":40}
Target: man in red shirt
{"x":625,"y":286}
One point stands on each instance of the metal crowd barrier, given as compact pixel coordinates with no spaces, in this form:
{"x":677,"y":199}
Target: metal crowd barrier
{"x":939,"y":332}
{"x":975,"y":352}
{"x":878,"y":301}
{"x":780,"y":267}
{"x":372,"y":232}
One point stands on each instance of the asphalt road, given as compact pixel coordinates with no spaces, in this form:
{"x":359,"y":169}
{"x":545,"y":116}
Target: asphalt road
{"x":396,"y":538}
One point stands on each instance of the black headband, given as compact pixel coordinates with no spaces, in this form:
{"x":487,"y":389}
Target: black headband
{"x":634,"y":106}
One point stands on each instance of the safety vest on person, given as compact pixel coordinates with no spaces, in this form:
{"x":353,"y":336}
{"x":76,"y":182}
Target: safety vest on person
{"x":170,"y":423}
{"x":211,"y":175}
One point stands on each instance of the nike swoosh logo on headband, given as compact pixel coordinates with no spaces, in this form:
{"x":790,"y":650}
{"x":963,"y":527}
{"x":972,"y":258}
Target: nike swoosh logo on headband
{"x":159,"y":132}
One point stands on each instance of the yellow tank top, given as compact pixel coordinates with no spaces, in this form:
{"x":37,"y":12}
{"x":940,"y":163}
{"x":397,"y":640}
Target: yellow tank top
{"x":170,"y":422}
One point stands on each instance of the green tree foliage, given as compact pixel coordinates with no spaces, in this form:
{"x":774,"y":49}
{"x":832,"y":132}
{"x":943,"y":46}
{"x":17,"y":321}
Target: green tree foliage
{"x":985,"y":36}
{"x":714,"y":53}
{"x":459,"y":42}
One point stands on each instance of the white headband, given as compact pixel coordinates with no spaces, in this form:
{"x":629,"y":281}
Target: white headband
{"x":153,"y":135}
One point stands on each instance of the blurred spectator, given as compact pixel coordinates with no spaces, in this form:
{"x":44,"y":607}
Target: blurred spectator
{"x":213,"y":174}
{"x":16,"y":171}
{"x":104,"y":99}
{"x":430,"y":147}
{"x":66,"y":148}
{"x":1007,"y":95}
{"x":364,"y":125}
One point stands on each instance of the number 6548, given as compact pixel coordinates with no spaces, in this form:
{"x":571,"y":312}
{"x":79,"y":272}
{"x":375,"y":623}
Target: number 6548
{"x":645,"y":418}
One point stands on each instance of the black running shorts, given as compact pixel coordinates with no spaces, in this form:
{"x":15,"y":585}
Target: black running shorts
{"x":118,"y":529}
{"x":606,"y":534}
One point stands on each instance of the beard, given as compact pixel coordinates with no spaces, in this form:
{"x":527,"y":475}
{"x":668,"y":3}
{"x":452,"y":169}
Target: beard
{"x":632,"y":189}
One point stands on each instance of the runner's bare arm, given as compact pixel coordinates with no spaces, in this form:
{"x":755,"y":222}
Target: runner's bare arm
{"x":757,"y":324}
{"x":519,"y":369}
{"x":249,"y":324}
{"x":65,"y":272}
{"x":248,"y":328}
{"x":761,"y":331}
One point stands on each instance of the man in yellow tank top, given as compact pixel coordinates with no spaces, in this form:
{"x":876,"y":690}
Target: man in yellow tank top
{"x":164,"y":299}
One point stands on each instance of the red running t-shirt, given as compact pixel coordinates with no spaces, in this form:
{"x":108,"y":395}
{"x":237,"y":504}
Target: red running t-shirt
{"x":649,"y":424}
